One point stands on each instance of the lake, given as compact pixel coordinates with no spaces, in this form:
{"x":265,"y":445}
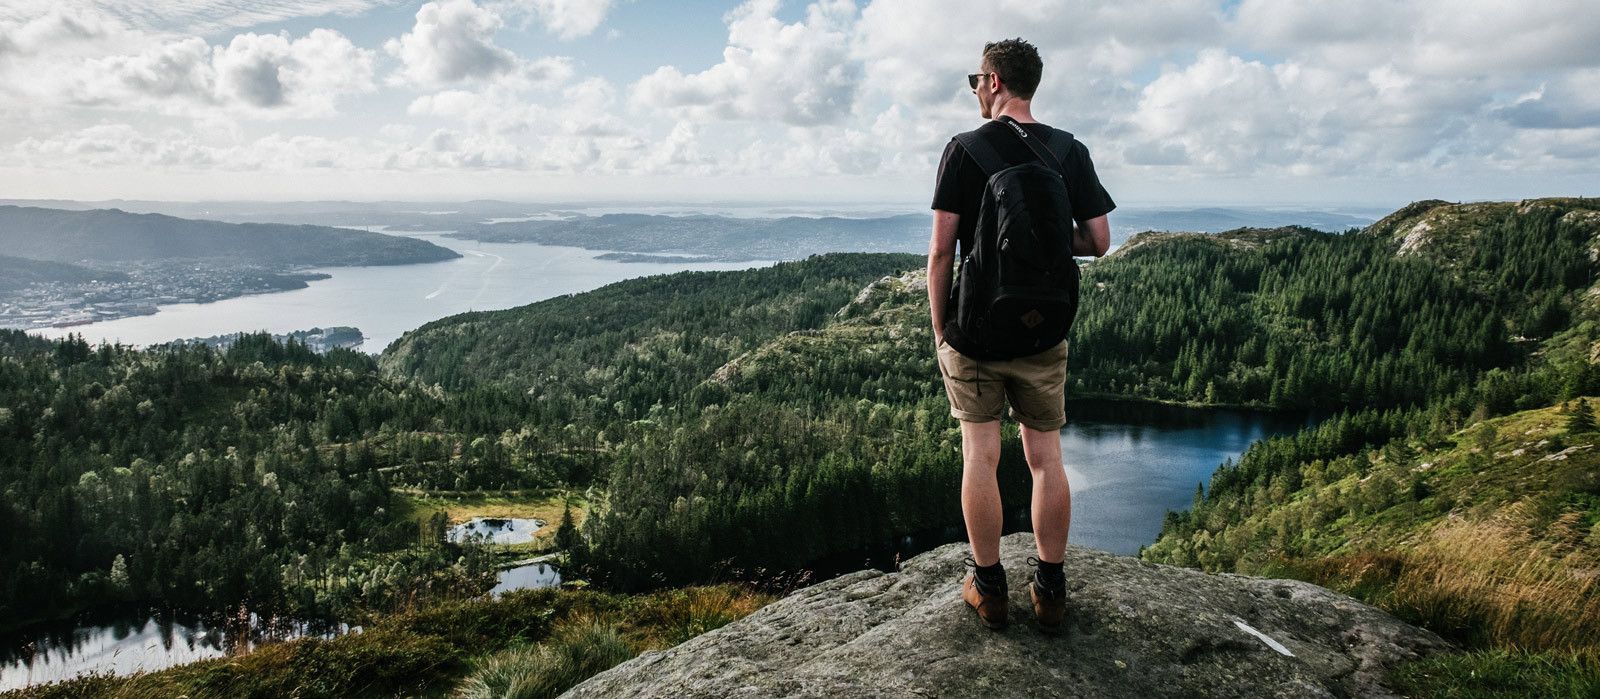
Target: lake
{"x":1129,"y":463}
{"x":138,"y":642}
{"x":384,"y":302}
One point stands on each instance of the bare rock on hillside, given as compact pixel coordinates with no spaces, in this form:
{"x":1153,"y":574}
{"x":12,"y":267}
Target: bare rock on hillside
{"x":1134,"y":629}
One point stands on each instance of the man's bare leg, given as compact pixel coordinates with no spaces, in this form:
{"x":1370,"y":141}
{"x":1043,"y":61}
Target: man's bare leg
{"x":980,"y":490}
{"x":1052,"y":495}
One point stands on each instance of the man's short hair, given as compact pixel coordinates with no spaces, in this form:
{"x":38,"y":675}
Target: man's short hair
{"x":1018,"y":64}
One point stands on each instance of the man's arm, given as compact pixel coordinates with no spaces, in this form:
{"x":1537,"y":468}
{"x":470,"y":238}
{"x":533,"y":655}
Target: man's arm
{"x":941,"y":260}
{"x":1092,"y":238}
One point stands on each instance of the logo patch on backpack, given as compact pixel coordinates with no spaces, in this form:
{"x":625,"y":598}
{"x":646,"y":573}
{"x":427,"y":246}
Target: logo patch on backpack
{"x":1032,"y":318}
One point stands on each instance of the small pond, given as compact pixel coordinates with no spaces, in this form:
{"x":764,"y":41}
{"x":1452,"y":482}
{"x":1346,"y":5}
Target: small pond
{"x":496,"y":530}
{"x":525,"y":576}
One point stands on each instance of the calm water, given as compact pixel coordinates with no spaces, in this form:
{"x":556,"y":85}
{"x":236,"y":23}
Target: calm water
{"x":384,"y":302}
{"x":1128,"y":463}
{"x":496,"y":530}
{"x":142,"y":642}
{"x":526,"y":576}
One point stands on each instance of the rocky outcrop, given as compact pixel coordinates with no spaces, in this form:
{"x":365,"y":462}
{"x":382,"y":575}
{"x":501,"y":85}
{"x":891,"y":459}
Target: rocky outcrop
{"x":1133,"y":629}
{"x":1443,"y":229}
{"x":1243,"y":239}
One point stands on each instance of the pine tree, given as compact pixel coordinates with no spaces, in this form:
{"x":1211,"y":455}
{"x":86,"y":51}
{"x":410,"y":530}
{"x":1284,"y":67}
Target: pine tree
{"x":1582,"y":418}
{"x":567,"y":533}
{"x":121,"y":585}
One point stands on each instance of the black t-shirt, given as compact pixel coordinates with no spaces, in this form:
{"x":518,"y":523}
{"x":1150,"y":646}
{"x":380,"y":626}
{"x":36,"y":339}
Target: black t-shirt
{"x":960,"y":182}
{"x":959,"y":189}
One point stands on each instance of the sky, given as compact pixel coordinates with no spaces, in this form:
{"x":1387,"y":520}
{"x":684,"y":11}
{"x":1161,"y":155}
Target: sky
{"x":1180,"y":102}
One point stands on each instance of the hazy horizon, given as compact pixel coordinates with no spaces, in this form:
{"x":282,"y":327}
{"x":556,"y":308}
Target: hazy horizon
{"x":643,"y":204}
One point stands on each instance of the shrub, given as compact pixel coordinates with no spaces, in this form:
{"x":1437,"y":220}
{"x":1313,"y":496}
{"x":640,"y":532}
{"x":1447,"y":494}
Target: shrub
{"x":581,"y":650}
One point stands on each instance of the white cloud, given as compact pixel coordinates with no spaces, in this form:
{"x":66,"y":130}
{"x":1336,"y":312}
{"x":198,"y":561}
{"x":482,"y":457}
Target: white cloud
{"x":1569,"y":101}
{"x":1436,"y":38}
{"x":1370,"y":88}
{"x":920,"y":52}
{"x":189,"y":16}
{"x":567,"y":19}
{"x":585,"y":108}
{"x":263,"y":75}
{"x":1224,"y":114}
{"x":452,"y":42}
{"x":795,"y":73}
{"x":51,"y":28}
{"x":1282,"y":92}
{"x":268,"y":71}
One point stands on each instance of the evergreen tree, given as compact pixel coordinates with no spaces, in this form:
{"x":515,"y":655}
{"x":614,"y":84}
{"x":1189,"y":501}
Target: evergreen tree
{"x":1582,"y":418}
{"x":567,"y":534}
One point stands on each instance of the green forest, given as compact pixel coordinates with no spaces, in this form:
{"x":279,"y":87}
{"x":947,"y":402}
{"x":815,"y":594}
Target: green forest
{"x":1474,"y":513}
{"x":266,"y":473}
{"x":716,"y":413}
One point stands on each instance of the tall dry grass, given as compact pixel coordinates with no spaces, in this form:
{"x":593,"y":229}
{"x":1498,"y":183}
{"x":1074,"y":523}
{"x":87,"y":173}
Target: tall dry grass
{"x":1486,"y":583}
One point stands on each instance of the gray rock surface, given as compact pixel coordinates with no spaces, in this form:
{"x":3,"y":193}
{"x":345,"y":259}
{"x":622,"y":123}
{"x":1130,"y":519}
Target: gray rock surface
{"x":1133,"y":629}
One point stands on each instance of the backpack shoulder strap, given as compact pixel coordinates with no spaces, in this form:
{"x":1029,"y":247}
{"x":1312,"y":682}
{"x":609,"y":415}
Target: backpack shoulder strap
{"x":982,"y":151}
{"x":1054,"y":148}
{"x":1060,"y":144}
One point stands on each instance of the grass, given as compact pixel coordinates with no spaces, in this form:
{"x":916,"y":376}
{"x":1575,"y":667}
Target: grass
{"x":1482,"y":584}
{"x":582,"y":649}
{"x":1501,"y":674}
{"x":432,"y":652}
{"x":1500,"y":555}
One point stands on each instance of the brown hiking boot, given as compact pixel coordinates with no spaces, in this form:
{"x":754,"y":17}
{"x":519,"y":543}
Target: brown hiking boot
{"x":1049,"y":608}
{"x":991,"y":608}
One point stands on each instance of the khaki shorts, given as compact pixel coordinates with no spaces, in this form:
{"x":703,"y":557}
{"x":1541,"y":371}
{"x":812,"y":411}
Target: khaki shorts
{"x":1035,"y":386}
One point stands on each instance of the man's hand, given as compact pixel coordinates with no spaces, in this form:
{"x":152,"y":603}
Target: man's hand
{"x":941,"y":260}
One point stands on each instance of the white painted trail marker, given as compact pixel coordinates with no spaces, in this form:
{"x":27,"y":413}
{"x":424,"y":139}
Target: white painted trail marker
{"x":1264,"y":638}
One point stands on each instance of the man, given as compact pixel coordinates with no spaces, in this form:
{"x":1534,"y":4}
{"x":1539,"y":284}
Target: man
{"x":979,"y":387}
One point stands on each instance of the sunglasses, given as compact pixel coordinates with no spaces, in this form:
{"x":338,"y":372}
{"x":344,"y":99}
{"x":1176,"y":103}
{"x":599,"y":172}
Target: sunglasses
{"x":972,"y":79}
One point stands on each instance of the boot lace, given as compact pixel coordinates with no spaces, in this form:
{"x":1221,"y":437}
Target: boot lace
{"x":972,"y":563}
{"x":1045,"y":589}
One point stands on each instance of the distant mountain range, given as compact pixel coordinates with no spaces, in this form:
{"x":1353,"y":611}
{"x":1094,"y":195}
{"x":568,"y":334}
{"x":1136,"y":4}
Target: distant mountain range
{"x":472,"y":215}
{"x":1218,"y":219}
{"x":714,"y":237}
{"x":113,"y":235}
{"x":659,"y":237}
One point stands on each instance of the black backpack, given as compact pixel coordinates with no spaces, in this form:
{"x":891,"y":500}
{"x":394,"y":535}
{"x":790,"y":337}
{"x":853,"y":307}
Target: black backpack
{"x":1017,"y":288}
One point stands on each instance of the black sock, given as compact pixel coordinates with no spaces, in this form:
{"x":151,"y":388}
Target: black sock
{"x":991,"y":579}
{"x":1049,"y":575}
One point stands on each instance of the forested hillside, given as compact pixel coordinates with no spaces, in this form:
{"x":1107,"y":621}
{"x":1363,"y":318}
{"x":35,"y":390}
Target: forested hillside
{"x":1474,"y":513}
{"x":19,"y":272}
{"x":712,"y":414}
{"x":840,"y":437}
{"x":615,"y":353}
{"x":199,"y":479}
{"x":1295,"y":317}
